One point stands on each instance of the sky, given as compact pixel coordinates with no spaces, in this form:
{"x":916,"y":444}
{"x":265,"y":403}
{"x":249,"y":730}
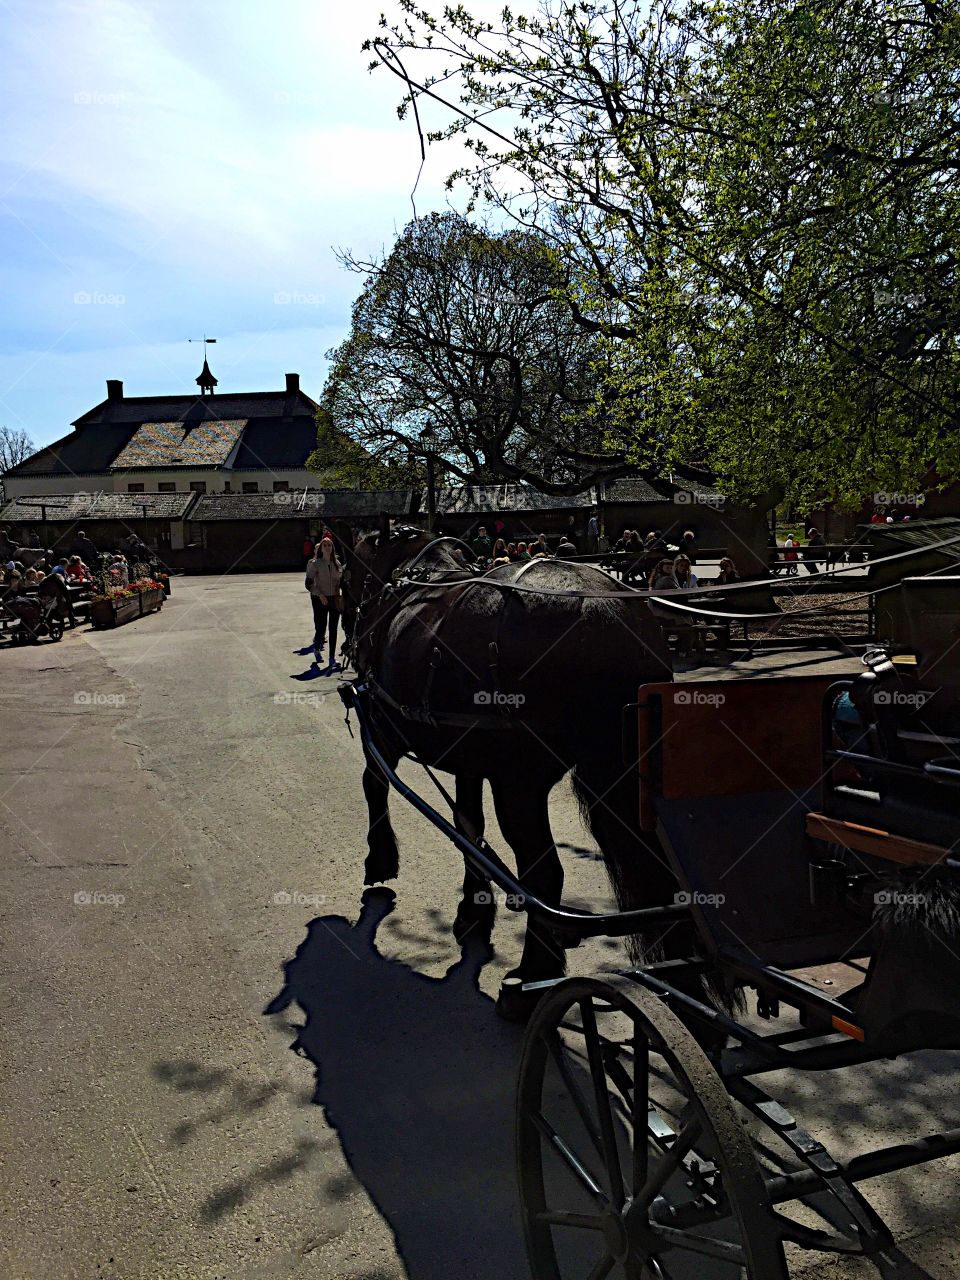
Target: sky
{"x":171,"y":169}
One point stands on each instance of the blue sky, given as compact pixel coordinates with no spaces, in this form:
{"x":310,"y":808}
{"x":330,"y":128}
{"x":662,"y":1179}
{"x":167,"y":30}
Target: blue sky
{"x":171,"y":168}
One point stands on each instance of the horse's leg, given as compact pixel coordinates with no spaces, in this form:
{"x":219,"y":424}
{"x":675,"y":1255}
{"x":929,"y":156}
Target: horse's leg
{"x":383,"y":859}
{"x":523,"y":816}
{"x":478,"y":907}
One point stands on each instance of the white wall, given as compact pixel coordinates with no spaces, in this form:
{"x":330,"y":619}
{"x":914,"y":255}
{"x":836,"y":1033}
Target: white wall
{"x":38,"y":486}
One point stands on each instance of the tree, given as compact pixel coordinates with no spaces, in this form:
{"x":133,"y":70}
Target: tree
{"x":15,"y":447}
{"x":470,"y":330}
{"x":340,"y":462}
{"x":758,"y":209}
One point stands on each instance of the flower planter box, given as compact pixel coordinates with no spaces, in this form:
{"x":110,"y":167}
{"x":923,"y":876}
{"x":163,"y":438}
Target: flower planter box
{"x":150,"y":600}
{"x":114,"y":613}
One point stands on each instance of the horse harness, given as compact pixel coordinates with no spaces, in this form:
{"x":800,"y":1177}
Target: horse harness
{"x":393,"y":597}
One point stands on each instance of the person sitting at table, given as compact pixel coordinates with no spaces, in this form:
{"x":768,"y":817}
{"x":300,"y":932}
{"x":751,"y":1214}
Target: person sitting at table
{"x":728,"y":571}
{"x":77,"y":571}
{"x":512,"y":552}
{"x":60,"y":568}
{"x":683,"y":573}
{"x":566,"y":548}
{"x":500,"y":552}
{"x":522,"y":552}
{"x":31,"y":578}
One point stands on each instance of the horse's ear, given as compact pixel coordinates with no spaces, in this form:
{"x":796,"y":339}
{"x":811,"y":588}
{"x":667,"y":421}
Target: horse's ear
{"x":384,"y":529}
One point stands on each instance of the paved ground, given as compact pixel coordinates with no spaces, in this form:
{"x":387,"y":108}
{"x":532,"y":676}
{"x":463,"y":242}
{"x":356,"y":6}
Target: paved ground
{"x":182,"y":837}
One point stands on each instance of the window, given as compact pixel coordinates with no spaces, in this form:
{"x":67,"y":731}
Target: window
{"x":226,"y":487}
{"x":281,"y":486}
{"x":250,"y":486}
{"x":198,"y":486}
{"x":134,"y":488}
{"x":166,"y":486}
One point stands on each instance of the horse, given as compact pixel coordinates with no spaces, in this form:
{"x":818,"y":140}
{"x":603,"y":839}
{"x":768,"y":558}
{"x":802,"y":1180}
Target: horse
{"x":516,"y":689}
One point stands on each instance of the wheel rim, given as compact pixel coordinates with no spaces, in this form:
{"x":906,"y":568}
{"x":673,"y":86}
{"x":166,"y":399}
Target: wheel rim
{"x":602,"y":1060}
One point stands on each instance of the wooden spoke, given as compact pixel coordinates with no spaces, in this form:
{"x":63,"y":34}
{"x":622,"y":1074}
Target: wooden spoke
{"x":576,"y":1093}
{"x":664,"y":1169}
{"x":571,"y":1160}
{"x":641,"y":1089}
{"x":602,"y":1093}
{"x":603,"y":1268}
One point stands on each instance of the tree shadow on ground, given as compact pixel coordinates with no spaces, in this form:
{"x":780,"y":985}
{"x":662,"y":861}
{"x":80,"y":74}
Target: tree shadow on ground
{"x":417,"y":1076}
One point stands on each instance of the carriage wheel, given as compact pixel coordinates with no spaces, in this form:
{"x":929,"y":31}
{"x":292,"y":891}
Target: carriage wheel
{"x":604,"y":1060}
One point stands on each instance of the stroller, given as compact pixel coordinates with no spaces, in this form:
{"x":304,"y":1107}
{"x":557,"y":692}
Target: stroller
{"x":34,"y":616}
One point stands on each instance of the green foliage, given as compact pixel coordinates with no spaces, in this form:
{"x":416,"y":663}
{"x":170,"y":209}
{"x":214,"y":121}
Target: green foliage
{"x":756,"y":208}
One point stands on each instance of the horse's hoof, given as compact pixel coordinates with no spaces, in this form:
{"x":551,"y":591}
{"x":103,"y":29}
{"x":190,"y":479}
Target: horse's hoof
{"x":381,"y":864}
{"x":514,"y":1004}
{"x":475,"y":923}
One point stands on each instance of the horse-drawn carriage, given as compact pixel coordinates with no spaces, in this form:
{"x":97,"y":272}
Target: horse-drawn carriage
{"x":807,"y":826}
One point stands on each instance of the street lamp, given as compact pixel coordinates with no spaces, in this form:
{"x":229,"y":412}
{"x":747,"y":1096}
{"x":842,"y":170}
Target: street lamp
{"x":428,"y":439}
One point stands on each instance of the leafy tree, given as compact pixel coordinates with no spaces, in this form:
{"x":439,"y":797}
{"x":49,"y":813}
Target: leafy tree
{"x":470,"y":331}
{"x":758,"y":210}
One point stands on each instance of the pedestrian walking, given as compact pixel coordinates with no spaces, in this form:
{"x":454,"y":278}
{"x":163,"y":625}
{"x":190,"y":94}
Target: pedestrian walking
{"x":323,"y":576}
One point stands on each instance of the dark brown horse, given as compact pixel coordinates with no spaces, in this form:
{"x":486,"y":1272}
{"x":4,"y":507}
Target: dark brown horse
{"x":516,"y":688}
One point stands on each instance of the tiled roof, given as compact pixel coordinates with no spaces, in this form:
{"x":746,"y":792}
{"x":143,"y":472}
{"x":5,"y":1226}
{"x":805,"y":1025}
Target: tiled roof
{"x":636,"y":489}
{"x":97,"y":506}
{"x":245,"y":404}
{"x":172,"y":444}
{"x":296,"y":505}
{"x":280,"y":431}
{"x":475,"y":499}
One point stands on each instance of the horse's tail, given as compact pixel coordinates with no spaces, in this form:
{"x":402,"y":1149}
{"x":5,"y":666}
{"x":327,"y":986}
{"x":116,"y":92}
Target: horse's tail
{"x":607,"y":790}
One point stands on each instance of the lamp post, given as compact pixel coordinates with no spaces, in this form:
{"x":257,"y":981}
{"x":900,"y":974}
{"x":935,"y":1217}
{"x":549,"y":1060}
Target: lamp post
{"x":428,"y":438}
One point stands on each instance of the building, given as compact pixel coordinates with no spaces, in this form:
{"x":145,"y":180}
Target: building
{"x":239,"y":442}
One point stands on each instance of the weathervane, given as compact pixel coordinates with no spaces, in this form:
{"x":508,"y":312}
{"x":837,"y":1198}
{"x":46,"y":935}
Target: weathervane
{"x":206,"y":381}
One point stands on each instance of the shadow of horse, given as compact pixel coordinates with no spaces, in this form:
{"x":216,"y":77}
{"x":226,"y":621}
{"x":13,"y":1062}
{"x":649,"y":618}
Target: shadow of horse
{"x":417,"y":1077}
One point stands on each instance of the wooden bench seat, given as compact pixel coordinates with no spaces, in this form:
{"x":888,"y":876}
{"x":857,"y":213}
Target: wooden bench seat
{"x":873,"y":841}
